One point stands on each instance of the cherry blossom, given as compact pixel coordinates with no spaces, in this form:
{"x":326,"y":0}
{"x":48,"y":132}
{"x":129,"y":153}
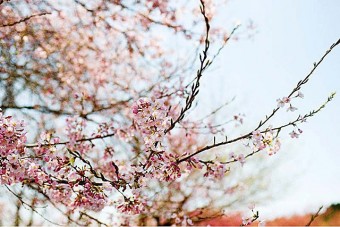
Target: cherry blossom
{"x":293,"y":134}
{"x":300,"y":95}
{"x":266,"y":141}
{"x":283,"y":101}
{"x":291,"y":108}
{"x":151,"y":121}
{"x":241,"y":159}
{"x":109,"y":109}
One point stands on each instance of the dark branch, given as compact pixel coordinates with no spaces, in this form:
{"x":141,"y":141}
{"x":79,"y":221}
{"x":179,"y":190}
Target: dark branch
{"x":24,"y":19}
{"x":31,"y":207}
{"x":314,"y":216}
{"x":66,"y":142}
{"x":297,"y":88}
{"x":204,"y":63}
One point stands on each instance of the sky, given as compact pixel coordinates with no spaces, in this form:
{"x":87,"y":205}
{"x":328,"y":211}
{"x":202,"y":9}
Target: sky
{"x":291,"y":36}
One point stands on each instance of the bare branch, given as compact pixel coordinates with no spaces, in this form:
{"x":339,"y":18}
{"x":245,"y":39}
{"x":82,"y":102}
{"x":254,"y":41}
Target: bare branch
{"x":31,"y":207}
{"x":204,"y":63}
{"x":297,"y":88}
{"x":66,"y":142}
{"x":2,"y":1}
{"x":24,"y":19}
{"x":314,"y":216}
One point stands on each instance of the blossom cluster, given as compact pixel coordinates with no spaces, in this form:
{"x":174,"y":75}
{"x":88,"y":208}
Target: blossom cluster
{"x":12,"y":139}
{"x":217,"y":171}
{"x":287,"y":100}
{"x":266,"y":141}
{"x":45,"y":168}
{"x":182,"y":220}
{"x":90,"y":197}
{"x":241,"y":158}
{"x":294,"y":134}
{"x":74,"y":130}
{"x":163,"y":165}
{"x":132,"y":206}
{"x":12,"y":135}
{"x":151,"y":120}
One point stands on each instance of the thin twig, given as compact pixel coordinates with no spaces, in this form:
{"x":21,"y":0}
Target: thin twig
{"x":247,"y":135}
{"x":92,"y":218}
{"x":23,"y":202}
{"x":204,"y":64}
{"x":24,"y":19}
{"x":314,"y":216}
{"x":66,"y":142}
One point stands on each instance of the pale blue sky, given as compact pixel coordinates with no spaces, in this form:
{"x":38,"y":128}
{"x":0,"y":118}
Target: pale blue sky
{"x":291,"y":36}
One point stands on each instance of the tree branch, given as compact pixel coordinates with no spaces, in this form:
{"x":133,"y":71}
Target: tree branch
{"x":267,"y":118}
{"x":314,"y":216}
{"x":24,"y":19}
{"x":204,"y":63}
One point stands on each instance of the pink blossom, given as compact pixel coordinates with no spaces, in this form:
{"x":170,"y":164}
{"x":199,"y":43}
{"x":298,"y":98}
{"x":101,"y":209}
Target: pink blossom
{"x":282,"y":102}
{"x":241,"y":159}
{"x":266,"y":141}
{"x":232,"y":155}
{"x":300,"y":95}
{"x":291,"y":108}
{"x":151,"y":120}
{"x":246,"y":221}
{"x":286,"y":99}
{"x":293,"y":134}
{"x":256,"y":135}
{"x":251,"y":206}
